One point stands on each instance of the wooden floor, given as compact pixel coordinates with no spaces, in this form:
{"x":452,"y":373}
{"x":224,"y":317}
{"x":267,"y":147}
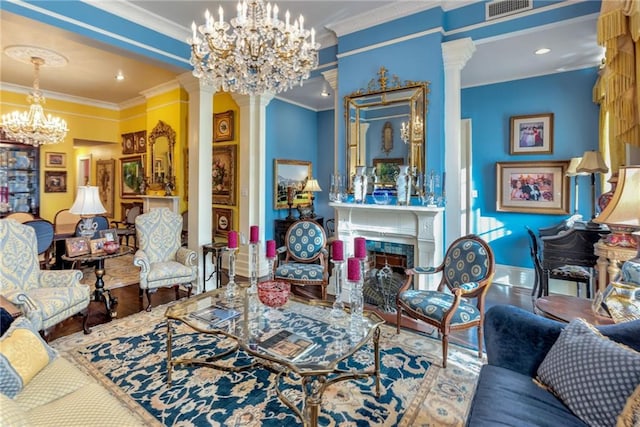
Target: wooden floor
{"x":129,"y":303}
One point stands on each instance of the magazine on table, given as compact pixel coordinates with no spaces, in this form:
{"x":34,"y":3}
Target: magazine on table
{"x":287,"y":344}
{"x":215,"y":315}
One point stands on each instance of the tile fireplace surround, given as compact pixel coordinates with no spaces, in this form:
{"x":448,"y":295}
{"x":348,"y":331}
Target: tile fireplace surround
{"x":418,"y":226}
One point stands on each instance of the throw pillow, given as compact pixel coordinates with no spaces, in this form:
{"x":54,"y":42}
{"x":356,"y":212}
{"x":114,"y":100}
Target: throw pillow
{"x":5,"y":320}
{"x":23,"y":353}
{"x":591,"y":374}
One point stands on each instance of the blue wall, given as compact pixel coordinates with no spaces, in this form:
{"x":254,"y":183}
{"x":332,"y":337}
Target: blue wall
{"x":566,"y":95}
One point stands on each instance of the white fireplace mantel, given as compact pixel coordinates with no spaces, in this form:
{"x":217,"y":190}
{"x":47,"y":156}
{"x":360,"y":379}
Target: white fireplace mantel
{"x":153,"y":202}
{"x":418,"y":226}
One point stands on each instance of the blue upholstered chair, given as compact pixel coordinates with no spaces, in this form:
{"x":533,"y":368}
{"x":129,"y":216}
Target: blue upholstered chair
{"x":467,"y":271}
{"x":162,"y":260}
{"x":46,"y":297}
{"x":305,"y":262}
{"x":44,"y":236}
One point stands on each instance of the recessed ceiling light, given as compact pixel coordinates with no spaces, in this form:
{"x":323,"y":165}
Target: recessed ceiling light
{"x":324,"y":93}
{"x":542,"y":51}
{"x":119,"y":76}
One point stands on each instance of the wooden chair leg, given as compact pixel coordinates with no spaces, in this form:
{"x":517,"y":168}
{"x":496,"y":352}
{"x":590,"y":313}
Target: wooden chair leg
{"x":176,"y":288}
{"x":148,"y":300}
{"x":445,"y":348}
{"x":85,"y":318}
{"x":398,"y":318}
{"x":480,"y":327}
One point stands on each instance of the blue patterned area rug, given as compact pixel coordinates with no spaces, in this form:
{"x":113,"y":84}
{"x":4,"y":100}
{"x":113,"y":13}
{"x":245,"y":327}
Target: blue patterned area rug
{"x":128,"y":356}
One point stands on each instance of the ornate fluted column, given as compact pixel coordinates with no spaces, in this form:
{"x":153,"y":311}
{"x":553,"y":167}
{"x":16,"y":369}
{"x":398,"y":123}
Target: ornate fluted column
{"x":455,"y":55}
{"x":331,"y":76}
{"x":252,"y":154}
{"x":200,"y":125}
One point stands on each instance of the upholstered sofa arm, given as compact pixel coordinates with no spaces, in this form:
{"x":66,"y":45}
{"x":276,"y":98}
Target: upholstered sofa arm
{"x":59,"y":278}
{"x":187,"y":257}
{"x":140,"y":259}
{"x":20,"y":298}
{"x":517,"y":339}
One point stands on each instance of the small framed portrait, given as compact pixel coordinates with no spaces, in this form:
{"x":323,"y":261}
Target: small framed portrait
{"x":223,"y":126}
{"x":532,"y":134}
{"x":55,"y":182}
{"x":110,"y":235}
{"x":55,"y":160}
{"x":128,"y":143}
{"x":77,"y":246}
{"x":140,"y":138}
{"x":97,"y":246}
{"x":224,"y":221}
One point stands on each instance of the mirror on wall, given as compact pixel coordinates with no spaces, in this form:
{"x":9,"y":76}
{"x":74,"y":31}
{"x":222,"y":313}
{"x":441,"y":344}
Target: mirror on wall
{"x":162,"y":141}
{"x":386,"y":125}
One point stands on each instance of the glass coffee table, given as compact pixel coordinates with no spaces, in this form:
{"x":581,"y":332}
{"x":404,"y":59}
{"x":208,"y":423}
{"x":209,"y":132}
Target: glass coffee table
{"x":299,"y":341}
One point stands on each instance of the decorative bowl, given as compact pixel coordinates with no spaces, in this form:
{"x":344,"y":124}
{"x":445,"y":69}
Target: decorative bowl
{"x":274,"y":293}
{"x":110,"y":247}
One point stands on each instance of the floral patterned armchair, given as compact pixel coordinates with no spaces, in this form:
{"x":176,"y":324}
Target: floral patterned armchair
{"x":306,"y":261}
{"x":467,"y":271}
{"x":46,"y":297}
{"x":162,"y":260}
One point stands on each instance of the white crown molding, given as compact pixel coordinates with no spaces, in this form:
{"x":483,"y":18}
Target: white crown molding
{"x":161,"y":88}
{"x":390,"y":42}
{"x":133,"y":102}
{"x":10,"y":87}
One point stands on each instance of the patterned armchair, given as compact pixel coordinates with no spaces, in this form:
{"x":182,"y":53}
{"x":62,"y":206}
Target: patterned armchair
{"x":46,"y":297}
{"x":162,"y":261}
{"x":306,"y":256}
{"x":467,"y":271}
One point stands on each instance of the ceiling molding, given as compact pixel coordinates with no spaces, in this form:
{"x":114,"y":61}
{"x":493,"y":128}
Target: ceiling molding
{"x":160,"y":89}
{"x":60,"y":96}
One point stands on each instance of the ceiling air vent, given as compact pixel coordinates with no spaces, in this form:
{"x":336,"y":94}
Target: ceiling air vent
{"x":499,"y":8}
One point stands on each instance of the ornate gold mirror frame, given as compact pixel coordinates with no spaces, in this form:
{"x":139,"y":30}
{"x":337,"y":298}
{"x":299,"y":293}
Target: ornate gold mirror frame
{"x":162,"y":141}
{"x":381,"y":103}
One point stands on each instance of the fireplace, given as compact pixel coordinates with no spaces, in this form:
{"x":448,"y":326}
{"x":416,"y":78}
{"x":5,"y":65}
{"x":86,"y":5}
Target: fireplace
{"x":416,"y":227}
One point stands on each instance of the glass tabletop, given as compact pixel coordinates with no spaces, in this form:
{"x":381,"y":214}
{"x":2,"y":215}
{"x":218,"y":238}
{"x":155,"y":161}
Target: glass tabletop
{"x":301,"y":334}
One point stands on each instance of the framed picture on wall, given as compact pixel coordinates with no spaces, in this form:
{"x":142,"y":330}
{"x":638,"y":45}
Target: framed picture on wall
{"x":223,"y":175}
{"x":140,"y":139}
{"x":55,"y":181}
{"x":55,"y":160}
{"x":223,"y":126}
{"x":532,"y":134}
{"x":290,"y":177}
{"x":533,"y":187}
{"x":223,"y":221}
{"x":105,"y":177}
{"x":387,"y":169}
{"x":128,"y":143}
{"x":131,"y":174}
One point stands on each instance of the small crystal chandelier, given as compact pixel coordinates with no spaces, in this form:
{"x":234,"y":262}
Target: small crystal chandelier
{"x":260,"y":54}
{"x":33,"y":127}
{"x":407,"y":128}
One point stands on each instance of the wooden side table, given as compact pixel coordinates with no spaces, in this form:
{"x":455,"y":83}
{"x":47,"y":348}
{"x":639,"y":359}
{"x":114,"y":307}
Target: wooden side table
{"x":564,"y":308}
{"x":11,"y":308}
{"x":609,"y":260}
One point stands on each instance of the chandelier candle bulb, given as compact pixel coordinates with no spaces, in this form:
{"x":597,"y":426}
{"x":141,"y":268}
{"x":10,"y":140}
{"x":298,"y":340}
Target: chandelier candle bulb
{"x":232,"y":240}
{"x":338,"y":250}
{"x":254,"y":231}
{"x":353,"y":269}
{"x":360,"y":247}
{"x":271,"y":248}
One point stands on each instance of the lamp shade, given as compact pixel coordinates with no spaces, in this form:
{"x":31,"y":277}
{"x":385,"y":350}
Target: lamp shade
{"x":624,"y":208}
{"x":312,"y":185}
{"x":592,"y":162}
{"x":87,"y":202}
{"x":573,"y":166}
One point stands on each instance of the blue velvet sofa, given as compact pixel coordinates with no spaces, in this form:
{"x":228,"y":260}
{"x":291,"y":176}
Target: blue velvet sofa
{"x":516,"y":343}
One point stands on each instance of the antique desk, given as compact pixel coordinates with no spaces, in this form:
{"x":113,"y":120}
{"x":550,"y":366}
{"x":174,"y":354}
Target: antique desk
{"x":609,"y":260}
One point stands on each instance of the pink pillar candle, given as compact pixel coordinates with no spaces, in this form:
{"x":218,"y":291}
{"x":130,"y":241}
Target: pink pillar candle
{"x":360,"y":247}
{"x":232,"y":240}
{"x":271,"y":248}
{"x":353,"y":269}
{"x":337,"y":250}
{"x":254,"y":231}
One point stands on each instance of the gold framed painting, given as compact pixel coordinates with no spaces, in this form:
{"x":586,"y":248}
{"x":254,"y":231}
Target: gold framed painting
{"x":55,"y":160}
{"x":290,"y":177}
{"x":105,"y":175}
{"x":533,"y":187}
{"x":223,"y":175}
{"x":223,"y":221}
{"x":223,"y":126}
{"x":55,"y":181}
{"x":131,"y":173}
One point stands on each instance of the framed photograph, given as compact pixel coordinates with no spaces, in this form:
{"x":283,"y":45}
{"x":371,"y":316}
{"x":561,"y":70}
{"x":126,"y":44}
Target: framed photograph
{"x":128,"y":143}
{"x":224,"y":221}
{"x":387,"y":170}
{"x":55,"y":160}
{"x":533,"y":187}
{"x":77,"y":246}
{"x":55,"y":182}
{"x":84,"y":170}
{"x":97,"y":246}
{"x":223,"y":126}
{"x":105,"y":175}
{"x":532,"y":134}
{"x":109,"y":235}
{"x":131,"y":176}
{"x":223,"y":174}
{"x":289,"y":177}
{"x":140,"y":141}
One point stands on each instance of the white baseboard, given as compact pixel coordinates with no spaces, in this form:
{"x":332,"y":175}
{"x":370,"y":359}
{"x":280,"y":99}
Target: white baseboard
{"x":525,"y":278}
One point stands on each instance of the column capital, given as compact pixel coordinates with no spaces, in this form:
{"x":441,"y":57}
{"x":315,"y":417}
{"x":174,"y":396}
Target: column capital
{"x":192,"y":84}
{"x":456,"y":53}
{"x":331,"y":76}
{"x":246,"y":100}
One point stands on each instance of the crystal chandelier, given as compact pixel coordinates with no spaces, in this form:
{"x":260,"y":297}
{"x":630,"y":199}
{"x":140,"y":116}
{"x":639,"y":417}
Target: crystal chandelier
{"x":255,"y":53}
{"x":33,"y":127}
{"x":407,"y":128}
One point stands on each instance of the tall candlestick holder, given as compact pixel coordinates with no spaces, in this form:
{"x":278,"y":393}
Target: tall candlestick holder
{"x":338,"y":306}
{"x":252,"y":291}
{"x":271,"y":261}
{"x":356,"y":305}
{"x":232,"y":287}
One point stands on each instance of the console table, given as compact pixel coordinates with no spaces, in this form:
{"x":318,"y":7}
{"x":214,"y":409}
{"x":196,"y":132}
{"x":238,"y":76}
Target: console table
{"x":609,"y":260}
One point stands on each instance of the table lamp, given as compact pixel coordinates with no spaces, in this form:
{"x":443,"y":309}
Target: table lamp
{"x":312,"y":186}
{"x":87,"y":205}
{"x":622,"y":214}
{"x":572,"y":172}
{"x":592,"y":163}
